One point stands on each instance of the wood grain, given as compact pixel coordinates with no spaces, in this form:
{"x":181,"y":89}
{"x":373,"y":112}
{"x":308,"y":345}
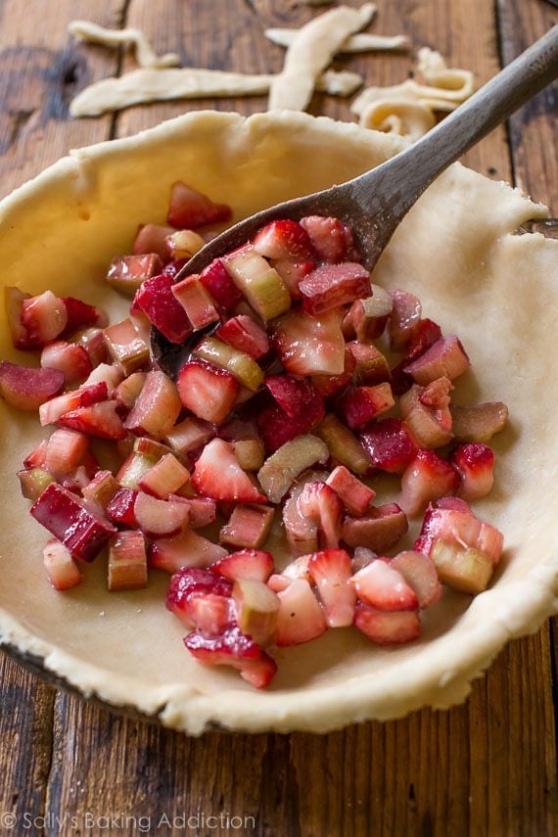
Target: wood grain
{"x":485,"y":768}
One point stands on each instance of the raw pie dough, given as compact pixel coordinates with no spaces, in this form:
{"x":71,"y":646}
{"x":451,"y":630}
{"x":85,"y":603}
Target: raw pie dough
{"x":459,"y":252}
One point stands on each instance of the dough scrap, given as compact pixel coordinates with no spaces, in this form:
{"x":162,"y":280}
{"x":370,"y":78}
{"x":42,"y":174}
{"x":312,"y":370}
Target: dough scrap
{"x":145,"y":55}
{"x":361,"y":42}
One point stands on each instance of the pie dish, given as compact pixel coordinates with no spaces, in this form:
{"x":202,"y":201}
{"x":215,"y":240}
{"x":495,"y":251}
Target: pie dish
{"x":460,"y":251}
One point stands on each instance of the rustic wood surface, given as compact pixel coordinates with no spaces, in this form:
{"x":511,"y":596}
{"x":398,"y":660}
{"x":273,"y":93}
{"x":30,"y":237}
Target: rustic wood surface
{"x":68,"y":767}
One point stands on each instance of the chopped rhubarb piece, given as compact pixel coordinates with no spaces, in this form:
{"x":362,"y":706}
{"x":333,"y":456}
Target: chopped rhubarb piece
{"x":331,"y":571}
{"x":189,"y":435}
{"x":370,"y":365}
{"x":329,"y":286}
{"x":217,"y":474}
{"x":379,"y":529}
{"x":186,"y":549}
{"x":241,"y":365}
{"x":120,"y":508}
{"x":404,"y":318}
{"x":100,"y":419}
{"x":300,"y":529}
{"x":478,"y":422}
{"x":367,"y":318}
{"x":296,"y":396}
{"x":284,"y":239}
{"x":36,"y":458}
{"x":474,"y":463}
{"x":426,"y":413}
{"x":216,"y":280}
{"x":156,"y":408}
{"x":127,"y":391}
{"x":250,"y":453}
{"x":156,"y":299}
{"x":127,"y":561}
{"x":327,"y":235}
{"x":71,"y":358}
{"x":159,"y":518}
{"x":233,"y":648}
{"x":355,"y":495}
{"x":101,"y":489}
{"x":188,"y":583}
{"x":360,"y":405}
{"x":299,"y":568}
{"x":13,"y":302}
{"x":33,"y":481}
{"x":93,"y":341}
{"x":259,"y":283}
{"x":126,"y":273}
{"x":451,"y":520}
{"x":329,"y":385}
{"x":310,"y":345}
{"x":427,"y":477}
{"x":387,"y":627}
{"x":256,"y":564}
{"x":248,"y":526}
{"x":281,"y":469}
{"x":464,"y":568}
{"x":152,"y":239}
{"x":320,"y":504}
{"x":126,"y":347}
{"x":167,"y":476}
{"x":210,"y":393}
{"x":79,"y":527}
{"x":362,"y":556}
{"x":133,"y":469}
{"x":190,"y":209}
{"x":202,"y":511}
{"x":445,"y":358}
{"x":243,"y":333}
{"x":380,"y":585}
{"x":63,"y":572}
{"x":389,"y":445}
{"x":196,"y":301}
{"x":65,"y":450}
{"x":419,"y":571}
{"x":343,"y":445}
{"x":44,"y":318}
{"x":107,"y":373}
{"x":80,"y":315}
{"x":26,"y":388}
{"x":183,"y":244}
{"x":301,"y":618}
{"x":257,"y":607}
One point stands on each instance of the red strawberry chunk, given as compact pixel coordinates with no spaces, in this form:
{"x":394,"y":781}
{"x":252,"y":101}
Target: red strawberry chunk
{"x":296,"y":396}
{"x":424,"y":336}
{"x":276,"y":427}
{"x":233,"y":648}
{"x":190,"y":209}
{"x":217,"y":474}
{"x":330,"y":286}
{"x":120,"y":508}
{"x":474,"y":462}
{"x":71,"y":358}
{"x":243,"y":333}
{"x":100,"y":419}
{"x":331,"y":571}
{"x":44,"y":318}
{"x":284,"y":239}
{"x":80,"y":315}
{"x":63,"y":572}
{"x":319,"y":503}
{"x":189,"y":582}
{"x":158,"y":303}
{"x":255,"y":564}
{"x":211,"y":614}
{"x":389,"y":445}
{"x":79,"y":527}
{"x":427,"y":477}
{"x":217,"y":281}
{"x":210,"y":393}
{"x":360,"y":405}
{"x":387,"y":627}
{"x":156,"y":408}
{"x":328,"y":236}
{"x":187,"y":549}
{"x":27,"y":388}
{"x":301,"y":618}
{"x":419,"y":571}
{"x":310,"y":345}
{"x":380,"y":585}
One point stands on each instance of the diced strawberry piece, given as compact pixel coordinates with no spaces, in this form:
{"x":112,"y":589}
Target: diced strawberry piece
{"x":126,"y":273}
{"x":80,"y":528}
{"x":186,"y":549}
{"x":379,"y":529}
{"x":284,"y":239}
{"x":211,"y":614}
{"x":127,"y":561}
{"x":319,"y":503}
{"x":301,"y":618}
{"x":243,"y":333}
{"x":328,"y":236}
{"x":248,"y":526}
{"x":276,"y":428}
{"x":159,"y":518}
{"x":210,"y":393}
{"x":330,"y":385}
{"x":299,"y":568}
{"x":71,"y":358}
{"x":156,"y":299}
{"x":292,"y":273}
{"x":331,"y":570}
{"x":475,"y":465}
{"x":427,"y":477}
{"x":355,"y":495}
{"x":233,"y":648}
{"x":300,"y":529}
{"x":217,"y":474}
{"x":389,"y":445}
{"x":310,"y":345}
{"x":80,"y":315}
{"x":44,"y":318}
{"x":37,"y":457}
{"x":152,"y":238}
{"x":100,"y":419}
{"x":446,"y":357}
{"x":387,"y":627}
{"x":330,"y":286}
{"x":26,"y":388}
{"x":296,"y":396}
{"x":202,"y":511}
{"x":451,"y":519}
{"x":13,"y":303}
{"x":478,"y":422}
{"x":108,"y":373}
{"x":380,"y":585}
{"x":404,"y":318}
{"x":217,"y":281}
{"x":419,"y":571}
{"x":426,"y":333}
{"x":190,"y":209}
{"x":188,"y":583}
{"x":255,"y":564}
{"x":360,"y":405}
{"x":63,"y":572}
{"x":156,"y":408}
{"x":120,"y":508}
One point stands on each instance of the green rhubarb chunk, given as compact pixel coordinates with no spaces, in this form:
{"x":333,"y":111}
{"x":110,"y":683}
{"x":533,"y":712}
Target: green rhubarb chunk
{"x":464,"y":568}
{"x":260,"y":283}
{"x":281,"y":469}
{"x":343,"y":444}
{"x":257,"y":608}
{"x":241,"y":365}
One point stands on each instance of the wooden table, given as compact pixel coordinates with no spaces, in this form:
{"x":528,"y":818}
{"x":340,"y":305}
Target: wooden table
{"x":67,"y":767}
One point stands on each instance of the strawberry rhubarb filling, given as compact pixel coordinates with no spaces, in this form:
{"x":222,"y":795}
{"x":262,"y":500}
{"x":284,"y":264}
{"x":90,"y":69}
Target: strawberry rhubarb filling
{"x":297,"y":387}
